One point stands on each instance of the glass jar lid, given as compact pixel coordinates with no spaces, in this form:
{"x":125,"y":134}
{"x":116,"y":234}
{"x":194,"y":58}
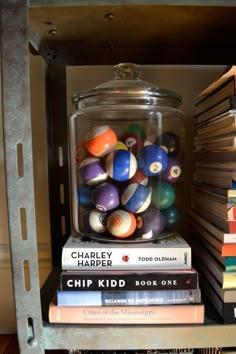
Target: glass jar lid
{"x":127,"y":83}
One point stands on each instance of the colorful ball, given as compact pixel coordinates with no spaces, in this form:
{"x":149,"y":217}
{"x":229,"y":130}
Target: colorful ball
{"x":150,"y":223}
{"x":105,"y":196}
{"x":163,"y":195}
{"x":139,"y":177}
{"x":121,"y":223}
{"x":120,"y":146}
{"x":170,"y":142}
{"x":136,"y":129}
{"x":84,"y":194}
{"x":133,"y":142}
{"x":98,"y":221}
{"x":172,"y":171}
{"x":81,"y":152}
{"x":121,"y":165}
{"x":100,"y":140}
{"x":152,"y":160}
{"x":171,"y":216}
{"x":93,"y":171}
{"x":136,"y":198}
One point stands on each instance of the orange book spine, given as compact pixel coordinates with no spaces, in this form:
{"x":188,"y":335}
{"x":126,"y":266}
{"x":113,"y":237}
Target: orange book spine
{"x":228,"y":250}
{"x":164,"y":314}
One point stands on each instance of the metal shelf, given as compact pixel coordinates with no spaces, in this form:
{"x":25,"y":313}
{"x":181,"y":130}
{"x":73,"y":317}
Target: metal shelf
{"x":147,"y":32}
{"x":84,"y":33}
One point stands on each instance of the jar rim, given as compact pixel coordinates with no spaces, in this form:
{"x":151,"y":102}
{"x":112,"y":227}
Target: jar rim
{"x":127,"y":83}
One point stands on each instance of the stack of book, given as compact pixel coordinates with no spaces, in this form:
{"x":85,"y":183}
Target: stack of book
{"x":140,"y":283}
{"x":213,"y":203}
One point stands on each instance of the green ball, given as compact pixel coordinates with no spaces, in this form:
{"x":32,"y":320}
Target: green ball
{"x":163,"y":195}
{"x":136,"y":129}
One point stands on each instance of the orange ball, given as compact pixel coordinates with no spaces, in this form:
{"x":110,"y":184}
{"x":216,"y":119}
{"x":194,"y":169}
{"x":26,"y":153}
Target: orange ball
{"x":100,"y":140}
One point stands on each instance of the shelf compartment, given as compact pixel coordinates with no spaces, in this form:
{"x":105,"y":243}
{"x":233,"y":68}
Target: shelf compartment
{"x":130,"y":337}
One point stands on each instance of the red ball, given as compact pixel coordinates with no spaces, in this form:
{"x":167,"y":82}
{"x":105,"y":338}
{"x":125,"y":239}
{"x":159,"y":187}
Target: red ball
{"x":133,"y":142}
{"x":80,"y":152}
{"x":140,"y":178}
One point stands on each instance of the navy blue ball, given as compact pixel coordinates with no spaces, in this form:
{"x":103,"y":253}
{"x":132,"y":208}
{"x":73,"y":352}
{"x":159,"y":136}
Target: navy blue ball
{"x":136,"y":198}
{"x":152,"y":160}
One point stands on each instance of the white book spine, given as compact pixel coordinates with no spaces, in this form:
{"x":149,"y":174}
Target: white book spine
{"x":126,"y":258}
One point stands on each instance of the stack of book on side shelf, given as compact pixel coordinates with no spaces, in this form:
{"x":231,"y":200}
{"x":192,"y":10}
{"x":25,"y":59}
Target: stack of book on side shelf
{"x":123,"y":283}
{"x":213,"y":204}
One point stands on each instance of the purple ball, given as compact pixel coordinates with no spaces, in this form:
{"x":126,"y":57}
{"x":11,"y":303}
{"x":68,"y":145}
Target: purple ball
{"x":172,"y":171}
{"x":150,"y":223}
{"x":92,"y":171}
{"x":105,"y":196}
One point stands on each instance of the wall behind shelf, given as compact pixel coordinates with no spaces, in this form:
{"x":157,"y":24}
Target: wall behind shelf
{"x":7,"y":317}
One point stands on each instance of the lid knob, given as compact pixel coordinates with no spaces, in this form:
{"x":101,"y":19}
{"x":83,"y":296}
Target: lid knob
{"x":126,"y":71}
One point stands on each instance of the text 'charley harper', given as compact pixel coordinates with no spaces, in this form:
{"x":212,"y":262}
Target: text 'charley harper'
{"x":104,"y":259}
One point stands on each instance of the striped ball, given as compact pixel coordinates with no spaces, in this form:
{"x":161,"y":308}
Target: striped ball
{"x":100,"y":140}
{"x":92,"y":171}
{"x":121,"y":223}
{"x":121,"y":165}
{"x":136,"y":198}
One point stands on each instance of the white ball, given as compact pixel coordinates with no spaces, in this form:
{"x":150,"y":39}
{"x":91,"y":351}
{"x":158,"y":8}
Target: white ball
{"x":97,"y":221}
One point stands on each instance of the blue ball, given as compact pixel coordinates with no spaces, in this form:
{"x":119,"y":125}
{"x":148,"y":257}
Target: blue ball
{"x":136,"y":198}
{"x":121,"y":165}
{"x":84,"y":194}
{"x":152,"y":160}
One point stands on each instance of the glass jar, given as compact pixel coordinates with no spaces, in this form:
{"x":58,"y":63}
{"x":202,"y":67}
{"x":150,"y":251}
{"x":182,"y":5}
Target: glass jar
{"x":126,"y":148}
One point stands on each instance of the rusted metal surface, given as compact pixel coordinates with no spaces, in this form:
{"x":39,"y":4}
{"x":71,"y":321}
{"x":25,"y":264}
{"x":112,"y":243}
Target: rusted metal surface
{"x":139,"y":337}
{"x":19,"y":174}
{"x":152,"y":32}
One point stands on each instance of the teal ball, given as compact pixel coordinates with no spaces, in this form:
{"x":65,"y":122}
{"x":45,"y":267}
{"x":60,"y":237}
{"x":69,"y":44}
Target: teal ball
{"x":163,"y":195}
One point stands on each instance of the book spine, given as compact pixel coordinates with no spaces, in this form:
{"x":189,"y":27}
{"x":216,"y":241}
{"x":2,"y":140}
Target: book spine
{"x":226,"y":310}
{"x":229,"y":312}
{"x":221,"y":107}
{"x":223,"y":210}
{"x":126,"y":259}
{"x":229,"y":280}
{"x":128,"y":298}
{"x":166,"y":314}
{"x":230,"y":262}
{"x":127,"y":282}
